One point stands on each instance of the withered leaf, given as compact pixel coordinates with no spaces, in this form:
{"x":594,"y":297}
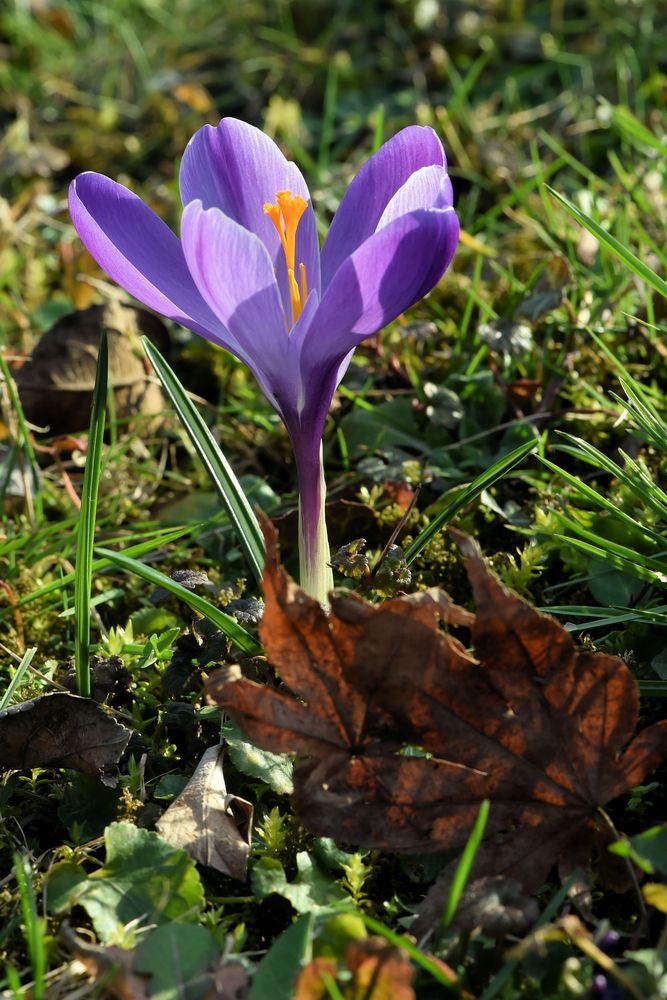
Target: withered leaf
{"x":374,"y":971}
{"x":62,"y":730}
{"x":530,"y":723}
{"x":110,"y":963}
{"x":56,"y":384}
{"x":496,"y":906}
{"x":349,"y":768}
{"x":201,"y":821}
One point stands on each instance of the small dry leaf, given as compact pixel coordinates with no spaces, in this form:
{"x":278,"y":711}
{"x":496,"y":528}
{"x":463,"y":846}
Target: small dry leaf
{"x":496,"y":906}
{"x":375,"y":971}
{"x":62,"y":730}
{"x":109,"y":678}
{"x":110,"y":964}
{"x":531,"y":724}
{"x":56,"y":384}
{"x":202,"y":820}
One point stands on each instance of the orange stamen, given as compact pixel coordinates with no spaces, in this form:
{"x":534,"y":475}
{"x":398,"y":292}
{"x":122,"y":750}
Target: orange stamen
{"x":304,"y":283}
{"x":285,"y":215}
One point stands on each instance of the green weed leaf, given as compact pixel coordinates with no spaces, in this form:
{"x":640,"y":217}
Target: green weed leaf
{"x":177,"y":958}
{"x":277,"y":972}
{"x":143,"y":879}
{"x":275,"y":769}
{"x":312,"y":889}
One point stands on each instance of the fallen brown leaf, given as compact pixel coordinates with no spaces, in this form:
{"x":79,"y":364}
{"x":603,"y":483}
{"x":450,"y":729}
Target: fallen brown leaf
{"x":496,"y":906}
{"x":532,"y":724}
{"x":200,"y":820}
{"x":56,"y":383}
{"x":109,"y":964}
{"x":375,"y":971}
{"x":62,"y":730}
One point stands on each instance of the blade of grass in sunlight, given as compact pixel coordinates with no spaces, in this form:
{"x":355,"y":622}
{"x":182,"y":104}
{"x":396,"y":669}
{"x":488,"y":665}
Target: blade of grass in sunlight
{"x":33,"y":500}
{"x":603,"y":617}
{"x":33,"y":926}
{"x":640,"y":407}
{"x":222,"y":475}
{"x":631,"y":127}
{"x":140,"y":549}
{"x":641,"y":269}
{"x":469,"y":493}
{"x":222,"y":621}
{"x":378,"y":130}
{"x":17,"y":679}
{"x":331,"y":986}
{"x":634,"y":477}
{"x":86,"y":527}
{"x":464,"y":866}
{"x":618,"y":556}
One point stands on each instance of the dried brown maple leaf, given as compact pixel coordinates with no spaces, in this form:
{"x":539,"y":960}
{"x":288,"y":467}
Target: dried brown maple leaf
{"x":350,"y":780}
{"x":531,"y":723}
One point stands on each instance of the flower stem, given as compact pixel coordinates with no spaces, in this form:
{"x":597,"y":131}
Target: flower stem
{"x":315,"y":573}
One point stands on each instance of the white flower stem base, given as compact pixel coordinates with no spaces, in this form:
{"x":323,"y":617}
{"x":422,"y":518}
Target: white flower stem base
{"x":316,"y":577}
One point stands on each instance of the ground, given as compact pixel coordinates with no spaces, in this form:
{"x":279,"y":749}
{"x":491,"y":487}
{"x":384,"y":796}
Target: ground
{"x":540,"y":337}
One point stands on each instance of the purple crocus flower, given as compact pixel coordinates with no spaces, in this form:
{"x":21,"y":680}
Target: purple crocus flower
{"x":248,"y":273}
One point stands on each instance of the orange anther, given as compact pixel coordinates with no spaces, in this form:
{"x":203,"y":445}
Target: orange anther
{"x":285,"y":215}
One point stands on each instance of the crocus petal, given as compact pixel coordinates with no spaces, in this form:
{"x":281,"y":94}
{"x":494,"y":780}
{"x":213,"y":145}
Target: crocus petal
{"x":369,"y":193}
{"x":233,"y":272}
{"x":429,"y":187}
{"x":386,"y":275}
{"x":140,"y":253}
{"x":238,"y":169}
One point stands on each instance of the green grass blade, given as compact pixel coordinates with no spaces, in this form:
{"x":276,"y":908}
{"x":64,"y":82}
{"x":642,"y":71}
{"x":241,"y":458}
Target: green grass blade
{"x":477,"y":486}
{"x":641,"y":269}
{"x":604,"y":617}
{"x":633,"y":478}
{"x":33,"y":926}
{"x":642,"y":410}
{"x":378,"y":131}
{"x":139,"y":549}
{"x":86,"y":527}
{"x":224,"y":622}
{"x":464,"y":866}
{"x":641,"y":567}
{"x":652,"y":689}
{"x":17,"y":679}
{"x":605,"y":503}
{"x":222,"y":475}
{"x":630,"y":126}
